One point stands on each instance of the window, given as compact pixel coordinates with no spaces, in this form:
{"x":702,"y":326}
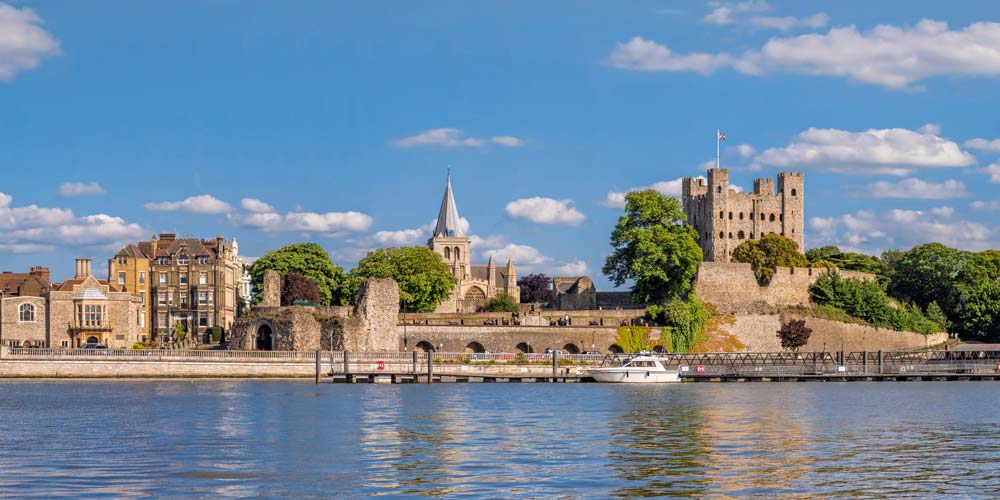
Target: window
{"x":740,"y":235}
{"x":161,"y":321}
{"x":64,"y":344}
{"x":183,"y":260}
{"x":793,"y":191}
{"x":142,"y":295}
{"x":781,"y":217}
{"x":202,"y":278}
{"x":751,"y":236}
{"x":184,"y":278}
{"x":718,"y":189}
{"x":741,"y":215}
{"x":142,"y":320}
{"x":203,"y":260}
{"x":202,"y":298}
{"x":163,"y":278}
{"x":447,"y":253}
{"x":721,"y":234}
{"x":203,"y":319}
{"x":762,"y":216}
{"x":722,"y":215}
{"x":184,"y":299}
{"x":142,"y":277}
{"x":26,"y":313}
{"x":772,"y":217}
{"x":121,"y":277}
{"x":730,"y":235}
{"x":751,"y":215}
{"x":161,"y":298}
{"x":458,"y":254}
{"x":164,"y":261}
{"x":91,"y":315}
{"x":730,"y":216}
{"x":123,"y":260}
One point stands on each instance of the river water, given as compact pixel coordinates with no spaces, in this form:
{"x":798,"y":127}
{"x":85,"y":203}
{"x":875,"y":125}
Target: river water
{"x":222,"y":439}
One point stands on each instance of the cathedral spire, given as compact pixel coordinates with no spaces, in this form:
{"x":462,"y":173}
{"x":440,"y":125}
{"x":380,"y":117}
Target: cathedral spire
{"x":447,"y":221}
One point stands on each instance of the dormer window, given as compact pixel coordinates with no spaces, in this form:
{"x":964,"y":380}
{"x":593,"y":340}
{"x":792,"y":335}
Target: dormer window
{"x":164,"y":261}
{"x":183,"y":260}
{"x":203,"y":260}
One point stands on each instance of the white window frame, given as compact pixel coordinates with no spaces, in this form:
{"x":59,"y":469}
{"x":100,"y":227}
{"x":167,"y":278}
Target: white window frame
{"x":202,"y":278}
{"x":163,"y":278}
{"x":183,"y":260}
{"x":142,"y":277}
{"x":121,"y":277}
{"x":183,"y":279}
{"x":202,"y":298}
{"x":30,"y":309}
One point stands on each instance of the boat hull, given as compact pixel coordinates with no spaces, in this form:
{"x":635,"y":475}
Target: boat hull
{"x":632,"y":376}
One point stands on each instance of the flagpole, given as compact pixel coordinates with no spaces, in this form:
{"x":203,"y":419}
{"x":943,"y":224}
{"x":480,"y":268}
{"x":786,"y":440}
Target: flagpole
{"x":717,"y":135}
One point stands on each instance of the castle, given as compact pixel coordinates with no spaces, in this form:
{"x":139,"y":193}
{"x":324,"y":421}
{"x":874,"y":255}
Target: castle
{"x":724,"y":217}
{"x":476,"y":283}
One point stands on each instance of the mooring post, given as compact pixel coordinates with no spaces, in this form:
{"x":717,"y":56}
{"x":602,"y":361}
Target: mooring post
{"x":430,"y":367}
{"x":555,"y":364}
{"x":880,"y":361}
{"x":317,"y":365}
{"x":864,"y":362}
{"x":415,"y":368}
{"x":814,"y":362}
{"x":347,"y":368}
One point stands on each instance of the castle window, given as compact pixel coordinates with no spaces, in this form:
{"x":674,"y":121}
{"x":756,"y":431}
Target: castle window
{"x":740,"y":235}
{"x":721,"y":234}
{"x":447,"y":252}
{"x":772,"y":217}
{"x":781,"y":217}
{"x":751,"y":236}
{"x":793,"y":230}
{"x":793,"y":191}
{"x":762,"y":216}
{"x":26,"y":313}
{"x":751,"y":215}
{"x":718,"y":189}
{"x":730,"y":235}
{"x":722,"y":215}
{"x":730,"y":216}
{"x":741,"y":215}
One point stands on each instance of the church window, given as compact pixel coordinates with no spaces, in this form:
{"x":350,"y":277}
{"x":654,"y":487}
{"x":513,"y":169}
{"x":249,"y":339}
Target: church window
{"x":458,"y":254}
{"x":26,"y":313}
{"x":793,"y":191}
{"x":772,"y":217}
{"x":740,"y":235}
{"x":447,"y":252}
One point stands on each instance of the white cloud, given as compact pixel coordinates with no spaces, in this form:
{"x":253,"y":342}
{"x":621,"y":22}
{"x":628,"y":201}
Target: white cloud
{"x":201,"y":204}
{"x":333,"y":224}
{"x":745,"y":150}
{"x":545,"y":211}
{"x":985,"y":205}
{"x":895,"y":151}
{"x":452,"y":138}
{"x":993,"y":171}
{"x":890,"y":56}
{"x":913,"y":188}
{"x":526,"y":258}
{"x":785,"y":23}
{"x":726,"y":12}
{"x":984,"y":144}
{"x":402,"y":237}
{"x":869,"y":232}
{"x":674,"y":188}
{"x":80,"y":189}
{"x":31,"y":229}
{"x":23,"y":43}
{"x":930,"y":128}
{"x":256,"y":206}
{"x":573,"y":268}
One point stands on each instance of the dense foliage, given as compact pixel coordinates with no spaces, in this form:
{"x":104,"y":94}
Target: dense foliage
{"x":653,"y":248}
{"x":831,"y":256}
{"x":296,"y":287}
{"x":424,"y":279}
{"x":634,"y":338}
{"x":501,"y":303}
{"x":309,"y":260}
{"x":868,"y":301}
{"x":535,"y":288}
{"x":683,"y":321}
{"x":794,"y":334}
{"x":767,"y":254}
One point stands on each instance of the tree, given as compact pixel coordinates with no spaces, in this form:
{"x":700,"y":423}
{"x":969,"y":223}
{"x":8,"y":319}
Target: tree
{"x":929,"y":273}
{"x":501,"y":303}
{"x":535,"y":288}
{"x":767,"y":254}
{"x":424,"y":279}
{"x":309,"y":260}
{"x":295,"y":287}
{"x":794,"y":334}
{"x":978,"y":311}
{"x":653,"y":247}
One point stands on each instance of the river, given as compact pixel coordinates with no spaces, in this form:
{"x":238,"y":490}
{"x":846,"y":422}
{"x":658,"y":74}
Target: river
{"x":229,"y":439}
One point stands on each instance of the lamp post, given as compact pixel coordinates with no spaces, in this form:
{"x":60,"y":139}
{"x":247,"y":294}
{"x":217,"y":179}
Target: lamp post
{"x":404,"y":327}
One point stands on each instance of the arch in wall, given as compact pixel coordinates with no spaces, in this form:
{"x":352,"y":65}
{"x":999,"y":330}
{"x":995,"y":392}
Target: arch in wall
{"x":474,"y":347}
{"x":616,"y":349}
{"x":772,"y":217}
{"x":751,"y":236}
{"x":793,"y":191}
{"x":762,"y":216}
{"x":447,"y":253}
{"x":659,"y":349}
{"x":751,"y":215}
{"x":458,"y":253}
{"x":425,"y":346}
{"x":722,"y":215}
{"x":718,"y":189}
{"x":26,"y":313}
{"x":524,"y":347}
{"x":740,"y":235}
{"x":474,"y":299}
{"x":264,"y":339}
{"x":571,"y":349}
{"x":93,"y":340}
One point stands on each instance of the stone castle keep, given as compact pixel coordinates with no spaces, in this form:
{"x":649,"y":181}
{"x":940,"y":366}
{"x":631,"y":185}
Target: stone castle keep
{"x":725,"y":217}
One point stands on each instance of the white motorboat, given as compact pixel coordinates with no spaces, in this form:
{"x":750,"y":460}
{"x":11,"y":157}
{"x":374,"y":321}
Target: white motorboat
{"x":640,"y":369}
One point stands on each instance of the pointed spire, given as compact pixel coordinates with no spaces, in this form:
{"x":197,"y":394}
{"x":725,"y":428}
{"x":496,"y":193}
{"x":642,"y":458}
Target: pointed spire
{"x":490,"y":263}
{"x":447,"y":221}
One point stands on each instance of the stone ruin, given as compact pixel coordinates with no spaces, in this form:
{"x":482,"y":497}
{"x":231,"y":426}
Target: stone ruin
{"x":370,"y":325}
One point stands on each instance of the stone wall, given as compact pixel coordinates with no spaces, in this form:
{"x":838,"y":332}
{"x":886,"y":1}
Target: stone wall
{"x":376,"y":311}
{"x":15,"y":331}
{"x":271,"y":296}
{"x":758,"y":332}
{"x":732,"y":287}
{"x":508,"y":338}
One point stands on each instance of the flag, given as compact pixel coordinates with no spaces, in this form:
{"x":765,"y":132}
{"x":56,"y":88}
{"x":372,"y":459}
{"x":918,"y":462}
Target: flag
{"x":722,"y":136}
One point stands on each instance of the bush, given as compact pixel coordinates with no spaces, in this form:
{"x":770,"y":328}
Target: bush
{"x":216,"y":333}
{"x":501,"y":303}
{"x":794,"y":334}
{"x":686,"y":322}
{"x":141,"y":346}
{"x":654,"y":315}
{"x":868,"y":301}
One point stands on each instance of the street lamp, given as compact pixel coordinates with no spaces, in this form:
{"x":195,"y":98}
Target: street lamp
{"x":404,"y":326}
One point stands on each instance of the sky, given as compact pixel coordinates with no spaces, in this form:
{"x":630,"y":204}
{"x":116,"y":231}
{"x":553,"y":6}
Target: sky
{"x":337,"y":122}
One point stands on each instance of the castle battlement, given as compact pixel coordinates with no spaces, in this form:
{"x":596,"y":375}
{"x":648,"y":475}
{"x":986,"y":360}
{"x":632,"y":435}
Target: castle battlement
{"x":724,"y":217}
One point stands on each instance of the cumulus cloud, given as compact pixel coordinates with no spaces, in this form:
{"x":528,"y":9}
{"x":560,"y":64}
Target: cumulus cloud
{"x":80,"y":189}
{"x":894,"y":57}
{"x":23,"y":43}
{"x":786,"y":23}
{"x":545,"y":211}
{"x":201,"y":204}
{"x":984,"y":144}
{"x":727,"y":12}
{"x":674,"y":188}
{"x":573,"y":268}
{"x":895,"y":151}
{"x":913,"y":188}
{"x":870,"y":232}
{"x":993,"y":171}
{"x":985,"y":205}
{"x":452,"y":138}
{"x":333,"y":224}
{"x":31,"y":229}
{"x":256,"y":206}
{"x":528,"y":259}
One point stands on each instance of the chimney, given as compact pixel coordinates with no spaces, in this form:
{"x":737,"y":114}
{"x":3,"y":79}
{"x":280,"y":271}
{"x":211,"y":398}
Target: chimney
{"x":153,"y":243}
{"x":42,"y":273}
{"x":82,"y":268}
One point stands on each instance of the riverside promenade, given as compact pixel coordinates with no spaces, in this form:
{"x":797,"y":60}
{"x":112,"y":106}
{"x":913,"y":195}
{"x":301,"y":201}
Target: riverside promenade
{"x":967,"y":362}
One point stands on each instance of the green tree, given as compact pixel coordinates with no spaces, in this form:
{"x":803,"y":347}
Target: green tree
{"x":424,"y":279}
{"x":928,"y":273}
{"x":653,"y":247}
{"x":309,"y":260}
{"x":767,"y":254}
{"x":978,"y":312}
{"x":685,"y":320}
{"x":501,"y":303}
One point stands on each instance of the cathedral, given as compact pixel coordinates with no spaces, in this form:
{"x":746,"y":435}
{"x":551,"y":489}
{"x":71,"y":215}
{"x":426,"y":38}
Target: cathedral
{"x":477,"y":283}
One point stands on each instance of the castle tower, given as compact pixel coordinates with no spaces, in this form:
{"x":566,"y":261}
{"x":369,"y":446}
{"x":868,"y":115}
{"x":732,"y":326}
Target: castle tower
{"x":718,"y":217}
{"x":448,"y":240}
{"x":791,"y":189}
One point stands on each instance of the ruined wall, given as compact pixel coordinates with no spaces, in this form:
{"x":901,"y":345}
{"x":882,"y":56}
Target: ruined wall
{"x":271,"y":297}
{"x":372,"y":327}
{"x":758,"y":332}
{"x":732,"y":287}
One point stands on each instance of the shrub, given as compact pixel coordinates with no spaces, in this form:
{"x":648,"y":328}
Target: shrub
{"x":868,"y":301}
{"x":794,"y":334}
{"x":501,"y":303}
{"x":686,"y":322}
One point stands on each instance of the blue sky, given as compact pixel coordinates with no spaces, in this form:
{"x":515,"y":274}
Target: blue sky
{"x":280,"y":122}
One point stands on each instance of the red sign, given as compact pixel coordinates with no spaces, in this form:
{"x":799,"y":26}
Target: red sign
{"x":380,"y":365}
{"x":700,"y":369}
